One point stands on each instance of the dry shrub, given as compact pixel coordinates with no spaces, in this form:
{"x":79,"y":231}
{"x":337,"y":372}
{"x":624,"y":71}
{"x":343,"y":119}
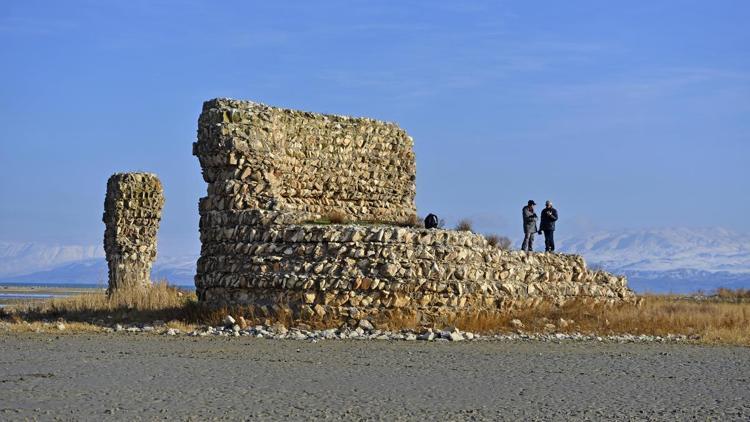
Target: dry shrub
{"x":336,"y":217}
{"x":498,"y":241}
{"x":398,"y":319}
{"x":158,"y":302}
{"x":464,"y":225}
{"x":333,"y":217}
{"x":713,"y":322}
{"x":660,"y":315}
{"x":729,"y":294}
{"x":183,"y":326}
{"x":413,"y":221}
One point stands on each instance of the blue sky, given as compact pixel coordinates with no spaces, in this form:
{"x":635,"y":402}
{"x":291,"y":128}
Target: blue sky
{"x":635,"y":114}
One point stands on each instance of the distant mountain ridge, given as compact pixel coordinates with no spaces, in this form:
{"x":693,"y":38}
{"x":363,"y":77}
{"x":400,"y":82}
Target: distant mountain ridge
{"x":45,"y":263}
{"x":22,"y":258}
{"x":669,"y":259}
{"x":176,"y":270}
{"x":664,"y":249}
{"x":658,"y":260}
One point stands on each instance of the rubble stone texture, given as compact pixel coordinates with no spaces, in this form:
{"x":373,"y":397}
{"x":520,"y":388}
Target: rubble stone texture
{"x":132,"y":212}
{"x":273,"y":175}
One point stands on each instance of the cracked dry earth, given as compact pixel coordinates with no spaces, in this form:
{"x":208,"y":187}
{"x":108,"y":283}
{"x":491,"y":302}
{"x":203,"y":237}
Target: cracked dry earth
{"x":147,"y":377}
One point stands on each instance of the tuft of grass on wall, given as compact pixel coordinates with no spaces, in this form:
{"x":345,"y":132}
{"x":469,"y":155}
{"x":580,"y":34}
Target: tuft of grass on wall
{"x":414,"y":221}
{"x":465,"y":225}
{"x":336,"y":217}
{"x":498,"y":241}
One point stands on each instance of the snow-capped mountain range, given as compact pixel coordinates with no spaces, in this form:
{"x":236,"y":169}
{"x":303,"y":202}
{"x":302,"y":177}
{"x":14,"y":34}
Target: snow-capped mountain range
{"x":714,"y":249}
{"x":659,"y":260}
{"x":22,"y":258}
{"x":51,"y":264}
{"x":669,"y":259}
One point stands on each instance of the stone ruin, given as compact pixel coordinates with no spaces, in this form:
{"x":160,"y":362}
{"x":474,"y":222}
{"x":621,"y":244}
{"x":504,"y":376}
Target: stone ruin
{"x":275,"y":177}
{"x":132,"y":212}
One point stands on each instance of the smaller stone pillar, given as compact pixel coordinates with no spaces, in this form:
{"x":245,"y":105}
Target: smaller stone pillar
{"x":132,"y":212}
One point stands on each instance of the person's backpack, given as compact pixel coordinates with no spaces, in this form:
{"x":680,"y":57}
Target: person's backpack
{"x":431,"y":221}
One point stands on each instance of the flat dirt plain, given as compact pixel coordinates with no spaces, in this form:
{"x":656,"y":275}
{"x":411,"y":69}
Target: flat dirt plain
{"x":149,"y":377}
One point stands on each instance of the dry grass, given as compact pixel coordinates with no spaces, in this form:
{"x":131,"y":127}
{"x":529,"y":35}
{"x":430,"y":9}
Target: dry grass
{"x":498,"y":241}
{"x":464,"y":225}
{"x":160,"y":302}
{"x":51,"y":327}
{"x":722,"y":319}
{"x":413,"y":221}
{"x":336,"y":217}
{"x":712,"y":322}
{"x":736,"y":295}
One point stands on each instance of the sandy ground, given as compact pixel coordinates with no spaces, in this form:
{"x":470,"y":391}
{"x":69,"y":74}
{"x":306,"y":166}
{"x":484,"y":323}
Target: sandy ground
{"x":148,"y":377}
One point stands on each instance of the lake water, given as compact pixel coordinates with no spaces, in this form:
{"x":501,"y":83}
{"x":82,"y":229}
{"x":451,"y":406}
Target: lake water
{"x":28,"y":295}
{"x":7,"y":298}
{"x":16,"y":293}
{"x":22,"y":292}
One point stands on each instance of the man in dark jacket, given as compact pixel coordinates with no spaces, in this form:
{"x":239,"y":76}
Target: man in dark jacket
{"x":529,"y":226}
{"x":549,"y":216}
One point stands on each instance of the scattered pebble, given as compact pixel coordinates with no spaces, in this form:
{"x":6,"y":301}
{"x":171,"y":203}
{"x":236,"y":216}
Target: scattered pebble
{"x":365,"y":325}
{"x":455,"y":336}
{"x":366,"y":331}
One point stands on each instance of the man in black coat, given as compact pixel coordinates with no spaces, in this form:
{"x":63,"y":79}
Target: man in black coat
{"x":547,"y":225}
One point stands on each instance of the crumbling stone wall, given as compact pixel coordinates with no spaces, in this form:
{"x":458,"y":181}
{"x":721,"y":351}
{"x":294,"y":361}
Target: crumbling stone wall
{"x":132,"y":212}
{"x":259,"y":247}
{"x":328,"y":269}
{"x":255,"y":156}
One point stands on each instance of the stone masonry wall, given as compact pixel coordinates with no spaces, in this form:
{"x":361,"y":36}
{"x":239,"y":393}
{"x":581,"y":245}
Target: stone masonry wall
{"x":268,"y":179}
{"x":132,"y":212}
{"x":255,"y":156}
{"x":331,"y":268}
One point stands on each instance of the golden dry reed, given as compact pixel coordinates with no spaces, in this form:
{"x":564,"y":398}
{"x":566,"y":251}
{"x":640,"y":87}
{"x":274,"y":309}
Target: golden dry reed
{"x":722,"y":318}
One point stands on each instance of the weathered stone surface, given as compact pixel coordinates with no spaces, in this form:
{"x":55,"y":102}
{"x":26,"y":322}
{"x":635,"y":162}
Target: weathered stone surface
{"x":259,"y":157}
{"x":132,"y":212}
{"x":272,"y":172}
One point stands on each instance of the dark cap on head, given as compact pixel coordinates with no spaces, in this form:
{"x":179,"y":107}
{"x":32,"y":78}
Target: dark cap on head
{"x":531,"y":202}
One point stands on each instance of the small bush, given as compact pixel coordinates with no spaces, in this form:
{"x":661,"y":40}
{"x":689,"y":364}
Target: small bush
{"x":498,"y":241}
{"x":336,"y":217}
{"x":464,"y":225}
{"x":414,"y":221}
{"x":724,"y":293}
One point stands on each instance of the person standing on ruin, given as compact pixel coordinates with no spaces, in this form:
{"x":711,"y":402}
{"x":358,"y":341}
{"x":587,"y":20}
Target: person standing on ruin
{"x":529,"y":226}
{"x":547,"y":225}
